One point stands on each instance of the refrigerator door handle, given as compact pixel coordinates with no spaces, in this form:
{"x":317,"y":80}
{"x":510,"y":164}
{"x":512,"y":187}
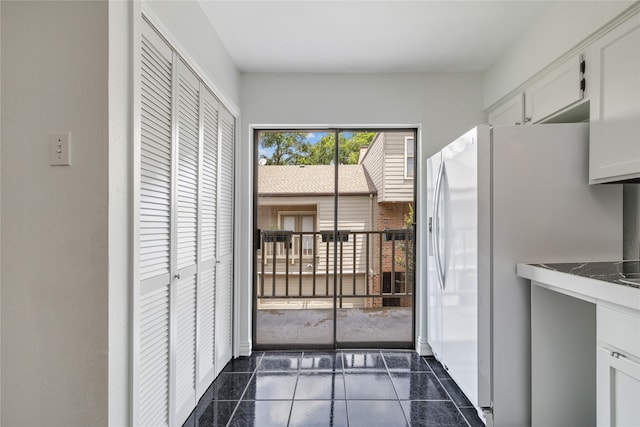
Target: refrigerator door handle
{"x":436,"y":234}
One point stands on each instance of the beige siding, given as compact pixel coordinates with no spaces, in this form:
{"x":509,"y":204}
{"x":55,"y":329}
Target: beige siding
{"x":396,"y":187}
{"x":354,"y":215}
{"x":374,"y":163}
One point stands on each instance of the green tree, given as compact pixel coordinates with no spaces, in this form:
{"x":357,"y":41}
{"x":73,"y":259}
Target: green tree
{"x":293,"y":148}
{"x":323,"y":151}
{"x":288,"y":147}
{"x":406,"y":246}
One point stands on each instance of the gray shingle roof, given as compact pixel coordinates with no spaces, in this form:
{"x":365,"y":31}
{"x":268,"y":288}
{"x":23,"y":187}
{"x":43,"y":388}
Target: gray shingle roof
{"x":314,"y":179}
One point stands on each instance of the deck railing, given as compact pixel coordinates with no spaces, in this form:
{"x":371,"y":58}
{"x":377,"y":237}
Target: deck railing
{"x":367,"y":264}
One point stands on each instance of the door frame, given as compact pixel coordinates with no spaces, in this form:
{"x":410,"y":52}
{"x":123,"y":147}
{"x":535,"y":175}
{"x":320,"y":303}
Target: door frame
{"x":418,"y":297}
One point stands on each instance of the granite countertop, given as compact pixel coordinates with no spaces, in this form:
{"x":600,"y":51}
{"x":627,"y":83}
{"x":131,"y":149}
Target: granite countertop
{"x":626,"y":273}
{"x":616,"y":282}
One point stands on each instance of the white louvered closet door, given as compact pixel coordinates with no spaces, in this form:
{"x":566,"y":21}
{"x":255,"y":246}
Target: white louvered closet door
{"x":184,"y":256}
{"x":207,"y":244}
{"x":224,"y":279}
{"x":152,"y":376}
{"x":188,"y":142}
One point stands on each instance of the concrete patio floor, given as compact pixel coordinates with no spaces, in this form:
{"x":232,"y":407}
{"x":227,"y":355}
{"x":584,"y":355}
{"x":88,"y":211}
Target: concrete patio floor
{"x":315,"y":326}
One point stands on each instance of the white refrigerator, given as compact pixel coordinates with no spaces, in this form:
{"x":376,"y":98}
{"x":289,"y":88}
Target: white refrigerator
{"x":497,"y":196}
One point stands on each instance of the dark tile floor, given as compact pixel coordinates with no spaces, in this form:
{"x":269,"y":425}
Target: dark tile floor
{"x":341,"y":388}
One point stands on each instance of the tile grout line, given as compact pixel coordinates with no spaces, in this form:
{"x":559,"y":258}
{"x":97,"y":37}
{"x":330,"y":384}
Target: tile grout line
{"x":448,"y":394}
{"x":395,"y":390}
{"x":344,"y":386}
{"x":253,"y":374}
{"x":295,"y":387}
{"x":339,"y":358}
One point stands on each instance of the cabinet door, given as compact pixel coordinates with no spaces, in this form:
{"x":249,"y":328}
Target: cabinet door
{"x":618,"y":390}
{"x":555,"y":91}
{"x":509,"y":113}
{"x":614,"y":152}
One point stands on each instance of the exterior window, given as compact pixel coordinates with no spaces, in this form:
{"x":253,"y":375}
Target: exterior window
{"x":300,"y":223}
{"x":408,"y":157}
{"x":399,"y":287}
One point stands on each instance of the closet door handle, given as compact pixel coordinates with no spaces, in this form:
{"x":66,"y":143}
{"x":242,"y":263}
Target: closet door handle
{"x":178,"y":276}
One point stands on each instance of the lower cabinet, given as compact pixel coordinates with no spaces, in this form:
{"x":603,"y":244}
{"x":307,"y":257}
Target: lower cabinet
{"x":618,"y":368}
{"x":618,"y":389}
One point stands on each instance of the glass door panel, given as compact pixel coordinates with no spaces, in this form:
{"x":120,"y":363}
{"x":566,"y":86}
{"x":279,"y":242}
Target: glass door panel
{"x":293,"y":305}
{"x":375,"y":203}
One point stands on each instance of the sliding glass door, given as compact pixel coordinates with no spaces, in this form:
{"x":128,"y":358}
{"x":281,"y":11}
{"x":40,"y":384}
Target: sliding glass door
{"x":334,"y":237}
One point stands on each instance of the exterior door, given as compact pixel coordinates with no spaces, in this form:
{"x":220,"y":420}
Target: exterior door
{"x":334,"y":239}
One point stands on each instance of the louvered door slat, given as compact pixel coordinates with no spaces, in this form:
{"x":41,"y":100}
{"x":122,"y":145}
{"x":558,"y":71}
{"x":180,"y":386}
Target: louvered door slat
{"x":210,"y":178}
{"x":223,"y":307}
{"x":154,"y":357}
{"x":188,"y":99}
{"x":226,"y":175}
{"x":224,"y":291}
{"x":155,"y":151}
{"x":206,"y":322}
{"x":207,"y":240}
{"x":154,"y":246}
{"x":188,"y":142}
{"x":185,"y":345}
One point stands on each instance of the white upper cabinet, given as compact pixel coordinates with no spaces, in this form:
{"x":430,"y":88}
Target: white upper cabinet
{"x":614,"y":153}
{"x":555,"y":91}
{"x":509,"y":113}
{"x":552,"y":93}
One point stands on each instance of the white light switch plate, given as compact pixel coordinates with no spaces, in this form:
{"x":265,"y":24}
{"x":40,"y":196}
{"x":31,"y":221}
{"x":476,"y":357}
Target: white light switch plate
{"x":60,"y":149}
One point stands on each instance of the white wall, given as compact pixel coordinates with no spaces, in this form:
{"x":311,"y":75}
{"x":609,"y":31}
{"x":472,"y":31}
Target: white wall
{"x":55,"y":219}
{"x":444,"y":105}
{"x":562,"y":26}
{"x":0,"y":225}
{"x":194,"y":37}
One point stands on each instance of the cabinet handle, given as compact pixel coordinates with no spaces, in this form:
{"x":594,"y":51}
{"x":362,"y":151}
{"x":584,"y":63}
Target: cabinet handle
{"x":178,"y":276}
{"x":517,"y":123}
{"x":617,"y":355}
{"x":527,"y":119}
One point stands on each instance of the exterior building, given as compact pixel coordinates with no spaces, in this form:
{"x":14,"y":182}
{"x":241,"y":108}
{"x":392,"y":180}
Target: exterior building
{"x":389,"y":160}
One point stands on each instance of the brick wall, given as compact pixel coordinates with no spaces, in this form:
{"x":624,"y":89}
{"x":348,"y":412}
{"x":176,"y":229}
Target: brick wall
{"x":391,"y":216}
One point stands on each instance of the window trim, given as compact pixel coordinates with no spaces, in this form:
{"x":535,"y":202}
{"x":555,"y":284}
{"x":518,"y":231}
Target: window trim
{"x":406,"y":157}
{"x":299,"y":214}
{"x":298,"y":222}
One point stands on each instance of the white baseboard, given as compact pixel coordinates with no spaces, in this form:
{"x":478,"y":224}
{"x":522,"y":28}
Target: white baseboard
{"x":422,"y":347}
{"x":245,"y":348}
